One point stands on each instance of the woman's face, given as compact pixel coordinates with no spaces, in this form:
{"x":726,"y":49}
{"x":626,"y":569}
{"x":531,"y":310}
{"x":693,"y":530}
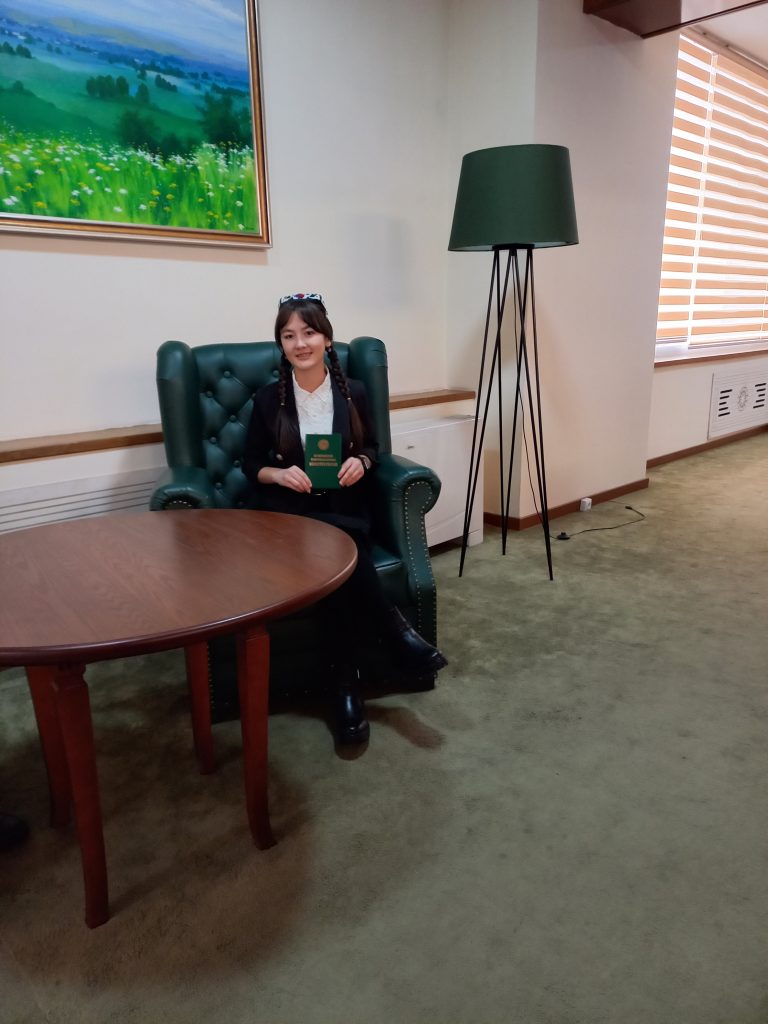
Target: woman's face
{"x":304,"y":347}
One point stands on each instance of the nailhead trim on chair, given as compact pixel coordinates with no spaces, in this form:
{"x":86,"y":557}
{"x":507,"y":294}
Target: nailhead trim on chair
{"x":422,"y":512}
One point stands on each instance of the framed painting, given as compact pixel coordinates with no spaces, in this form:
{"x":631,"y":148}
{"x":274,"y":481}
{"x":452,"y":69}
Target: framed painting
{"x":133,"y":119}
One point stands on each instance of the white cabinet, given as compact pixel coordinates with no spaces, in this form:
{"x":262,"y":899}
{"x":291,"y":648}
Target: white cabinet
{"x":444,"y":444}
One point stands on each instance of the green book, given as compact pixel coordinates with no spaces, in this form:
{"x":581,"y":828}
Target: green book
{"x":322,"y":460}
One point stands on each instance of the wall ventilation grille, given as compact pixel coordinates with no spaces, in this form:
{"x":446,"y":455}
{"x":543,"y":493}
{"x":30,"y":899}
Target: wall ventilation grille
{"x":75,"y":499}
{"x":739,"y":401}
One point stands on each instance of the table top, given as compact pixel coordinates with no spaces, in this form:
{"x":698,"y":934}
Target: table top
{"x":90,"y":589}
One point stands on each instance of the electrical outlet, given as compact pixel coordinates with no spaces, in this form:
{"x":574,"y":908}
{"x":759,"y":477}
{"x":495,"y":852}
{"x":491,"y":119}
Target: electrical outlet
{"x":585,"y":505}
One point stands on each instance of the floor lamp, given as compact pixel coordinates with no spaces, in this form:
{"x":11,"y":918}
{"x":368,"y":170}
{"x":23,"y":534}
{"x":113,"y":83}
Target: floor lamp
{"x":512,"y":199}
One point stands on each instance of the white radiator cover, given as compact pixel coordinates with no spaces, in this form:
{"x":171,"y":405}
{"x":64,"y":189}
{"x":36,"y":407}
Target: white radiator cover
{"x":444,"y":444}
{"x":75,"y":499}
{"x":738,"y":401}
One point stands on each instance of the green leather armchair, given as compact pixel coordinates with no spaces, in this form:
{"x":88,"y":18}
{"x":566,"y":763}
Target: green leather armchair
{"x":205,"y":397}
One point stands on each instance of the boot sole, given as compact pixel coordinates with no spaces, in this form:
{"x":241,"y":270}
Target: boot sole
{"x":429,"y":666}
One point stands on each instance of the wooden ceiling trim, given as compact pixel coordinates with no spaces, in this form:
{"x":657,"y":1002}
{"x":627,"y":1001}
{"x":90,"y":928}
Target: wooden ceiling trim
{"x":652,"y":17}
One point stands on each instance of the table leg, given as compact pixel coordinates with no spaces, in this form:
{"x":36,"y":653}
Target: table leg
{"x":196,"y":656}
{"x":74,"y":713}
{"x":253,"y":686}
{"x":40,"y":679}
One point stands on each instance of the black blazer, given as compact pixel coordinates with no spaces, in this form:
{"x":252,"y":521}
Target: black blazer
{"x":347,"y":507}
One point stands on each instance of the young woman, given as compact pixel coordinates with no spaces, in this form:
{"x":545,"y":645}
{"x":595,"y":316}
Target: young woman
{"x":313,"y":396}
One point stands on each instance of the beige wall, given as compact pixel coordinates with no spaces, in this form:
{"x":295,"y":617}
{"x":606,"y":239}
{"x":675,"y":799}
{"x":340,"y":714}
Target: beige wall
{"x":369,"y":109}
{"x":606,"y":95}
{"x":681,"y":399}
{"x":355,"y":126}
{"x":490,"y":93}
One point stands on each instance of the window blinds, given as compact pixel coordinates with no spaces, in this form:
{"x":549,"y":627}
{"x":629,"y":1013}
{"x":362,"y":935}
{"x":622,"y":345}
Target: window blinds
{"x":714,"y":277}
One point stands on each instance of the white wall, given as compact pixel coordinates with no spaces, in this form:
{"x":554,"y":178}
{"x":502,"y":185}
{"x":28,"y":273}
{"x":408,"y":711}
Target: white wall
{"x":491,"y":92}
{"x":607,"y":95}
{"x":369,"y":109}
{"x":680,"y":403}
{"x":355,"y":129}
{"x":490,"y":95}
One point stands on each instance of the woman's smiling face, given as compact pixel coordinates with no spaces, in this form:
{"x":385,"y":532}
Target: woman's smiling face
{"x":304,"y":347}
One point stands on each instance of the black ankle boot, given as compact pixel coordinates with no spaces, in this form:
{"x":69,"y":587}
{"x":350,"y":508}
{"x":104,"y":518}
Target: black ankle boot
{"x":350,"y":724}
{"x":411,"y":651}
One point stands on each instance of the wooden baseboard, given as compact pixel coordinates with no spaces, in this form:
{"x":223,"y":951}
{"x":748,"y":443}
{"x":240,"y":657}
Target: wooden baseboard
{"x":493,"y":519}
{"x":715,"y":443}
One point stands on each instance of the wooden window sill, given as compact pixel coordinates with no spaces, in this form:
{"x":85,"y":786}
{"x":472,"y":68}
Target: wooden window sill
{"x":679,"y":355}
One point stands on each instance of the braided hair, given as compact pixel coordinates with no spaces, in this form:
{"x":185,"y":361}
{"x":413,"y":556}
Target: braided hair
{"x":283,"y":421}
{"x":313,"y":313}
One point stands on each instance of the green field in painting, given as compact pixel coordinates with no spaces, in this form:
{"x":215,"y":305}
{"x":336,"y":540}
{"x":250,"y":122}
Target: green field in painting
{"x":25,"y":108}
{"x":59,"y":177}
{"x":64,"y":85}
{"x":64,"y":154}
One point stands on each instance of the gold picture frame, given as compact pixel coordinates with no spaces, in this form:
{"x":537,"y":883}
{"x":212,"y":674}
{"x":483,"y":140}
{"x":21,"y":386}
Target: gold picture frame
{"x":111,"y":127}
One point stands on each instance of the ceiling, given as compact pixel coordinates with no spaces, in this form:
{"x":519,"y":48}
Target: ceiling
{"x":746,"y":30}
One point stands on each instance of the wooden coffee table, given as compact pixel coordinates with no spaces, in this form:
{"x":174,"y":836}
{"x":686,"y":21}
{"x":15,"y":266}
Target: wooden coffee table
{"x":94,"y":589}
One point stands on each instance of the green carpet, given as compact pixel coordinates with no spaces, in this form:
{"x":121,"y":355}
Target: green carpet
{"x":571,"y":829}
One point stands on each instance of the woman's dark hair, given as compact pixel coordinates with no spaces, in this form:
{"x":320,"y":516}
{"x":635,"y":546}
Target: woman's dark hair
{"x":313,"y":313}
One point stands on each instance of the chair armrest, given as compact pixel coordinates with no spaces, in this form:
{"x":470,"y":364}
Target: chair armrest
{"x":183,"y":487}
{"x":404,"y":493}
{"x":393,"y":480}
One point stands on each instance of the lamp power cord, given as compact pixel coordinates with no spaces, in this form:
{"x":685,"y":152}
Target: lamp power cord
{"x":598,"y":529}
{"x":563,"y":535}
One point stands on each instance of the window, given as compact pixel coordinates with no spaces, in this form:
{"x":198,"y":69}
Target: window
{"x":714,"y":278}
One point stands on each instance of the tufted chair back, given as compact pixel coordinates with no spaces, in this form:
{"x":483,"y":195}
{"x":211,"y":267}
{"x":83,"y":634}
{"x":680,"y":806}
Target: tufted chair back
{"x":206,"y":396}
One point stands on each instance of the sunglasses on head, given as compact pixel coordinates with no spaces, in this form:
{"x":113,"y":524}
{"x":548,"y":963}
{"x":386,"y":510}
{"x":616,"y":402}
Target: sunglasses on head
{"x":302,"y":297}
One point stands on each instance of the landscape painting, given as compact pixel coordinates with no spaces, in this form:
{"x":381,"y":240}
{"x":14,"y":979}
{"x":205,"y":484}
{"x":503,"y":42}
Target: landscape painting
{"x":137,"y":118}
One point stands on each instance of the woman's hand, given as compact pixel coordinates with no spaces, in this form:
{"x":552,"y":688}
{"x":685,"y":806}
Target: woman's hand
{"x":351,"y":471}
{"x":294,"y":478}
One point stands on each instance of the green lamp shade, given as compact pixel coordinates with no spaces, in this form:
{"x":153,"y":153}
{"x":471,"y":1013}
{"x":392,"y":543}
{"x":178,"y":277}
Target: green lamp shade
{"x":514,"y":197}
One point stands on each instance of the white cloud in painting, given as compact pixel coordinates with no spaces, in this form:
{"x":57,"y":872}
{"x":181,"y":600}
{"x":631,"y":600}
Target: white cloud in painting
{"x":213,"y":27}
